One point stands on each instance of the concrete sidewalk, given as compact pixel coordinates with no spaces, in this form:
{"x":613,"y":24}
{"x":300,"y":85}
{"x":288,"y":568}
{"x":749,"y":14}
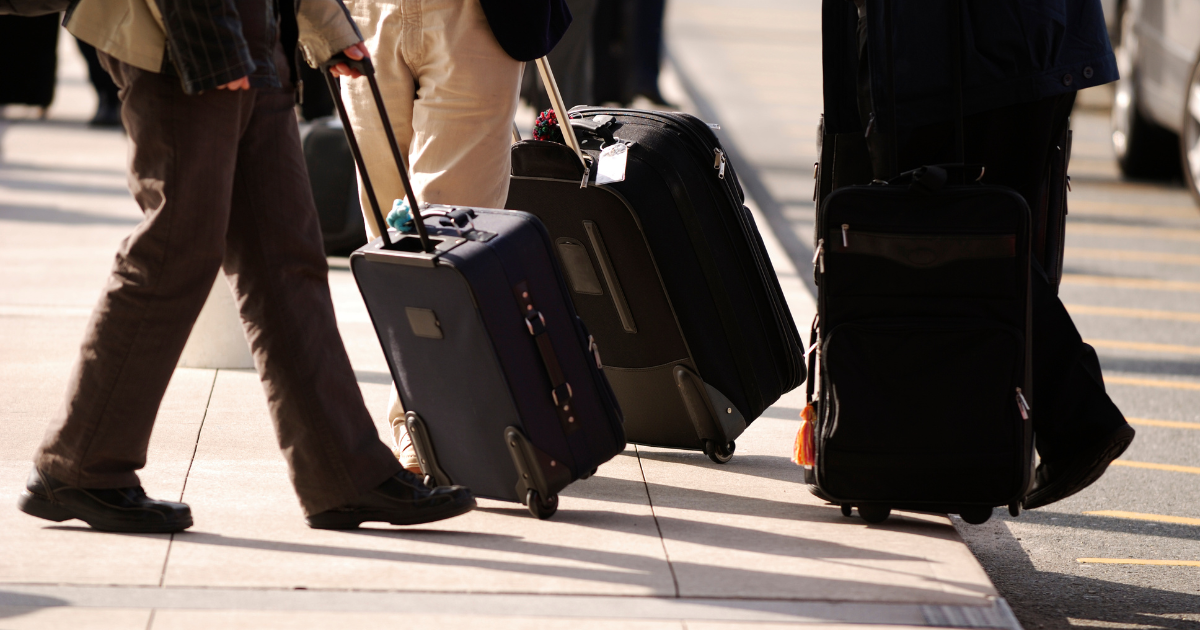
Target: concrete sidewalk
{"x":657,"y":539}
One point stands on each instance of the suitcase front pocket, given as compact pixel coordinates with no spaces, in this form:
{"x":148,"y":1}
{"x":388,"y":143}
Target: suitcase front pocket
{"x":866,"y":262}
{"x":922,"y":406}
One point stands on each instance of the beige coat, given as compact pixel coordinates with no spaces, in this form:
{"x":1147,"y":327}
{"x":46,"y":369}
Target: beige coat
{"x":132,"y":30}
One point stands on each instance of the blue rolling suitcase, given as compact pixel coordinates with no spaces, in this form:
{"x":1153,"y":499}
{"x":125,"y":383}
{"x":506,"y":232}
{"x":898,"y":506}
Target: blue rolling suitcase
{"x":501,"y":381}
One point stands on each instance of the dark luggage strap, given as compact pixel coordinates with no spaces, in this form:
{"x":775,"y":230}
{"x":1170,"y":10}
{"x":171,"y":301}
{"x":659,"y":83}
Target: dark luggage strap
{"x":365,"y":66}
{"x":560,"y":389}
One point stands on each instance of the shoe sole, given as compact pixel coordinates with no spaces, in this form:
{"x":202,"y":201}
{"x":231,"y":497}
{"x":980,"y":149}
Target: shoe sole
{"x":352,"y":520}
{"x":34,"y":505}
{"x":1084,"y":476}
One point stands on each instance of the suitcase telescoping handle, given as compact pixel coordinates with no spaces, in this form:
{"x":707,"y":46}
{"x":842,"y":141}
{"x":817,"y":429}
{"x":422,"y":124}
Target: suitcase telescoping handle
{"x":955,"y":19}
{"x":367,"y":69}
{"x":560,"y":109}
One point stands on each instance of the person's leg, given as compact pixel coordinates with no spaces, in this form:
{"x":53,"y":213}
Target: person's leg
{"x":276,"y":264}
{"x":462,"y":118}
{"x":181,"y":173}
{"x":390,"y":34}
{"x":183,"y":149}
{"x":647,"y":49}
{"x":1078,"y":427}
{"x":456,"y":125}
{"x":388,"y":30}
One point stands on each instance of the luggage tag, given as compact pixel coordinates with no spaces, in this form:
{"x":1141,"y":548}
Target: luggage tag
{"x":613,"y":159}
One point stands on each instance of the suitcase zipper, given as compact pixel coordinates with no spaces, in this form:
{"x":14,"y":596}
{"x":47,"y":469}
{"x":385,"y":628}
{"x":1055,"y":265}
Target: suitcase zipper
{"x":1022,"y":405}
{"x":845,"y":235}
{"x":719,"y":162}
{"x":819,"y":256}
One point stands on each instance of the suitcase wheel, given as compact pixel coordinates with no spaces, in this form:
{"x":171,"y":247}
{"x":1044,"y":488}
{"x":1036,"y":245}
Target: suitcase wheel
{"x":718,"y":454}
{"x":1014,"y":509}
{"x":873,"y":512}
{"x":541,"y":508}
{"x":976,"y":515}
{"x":847,"y":509}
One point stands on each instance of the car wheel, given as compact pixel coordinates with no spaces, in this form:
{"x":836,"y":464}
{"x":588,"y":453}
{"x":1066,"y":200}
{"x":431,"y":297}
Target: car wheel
{"x":1189,"y":139}
{"x":1144,"y":150}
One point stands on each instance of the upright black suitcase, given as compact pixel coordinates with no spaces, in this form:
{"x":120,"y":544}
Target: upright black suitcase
{"x":668,"y":270}
{"x":922,"y":345}
{"x":501,"y":381}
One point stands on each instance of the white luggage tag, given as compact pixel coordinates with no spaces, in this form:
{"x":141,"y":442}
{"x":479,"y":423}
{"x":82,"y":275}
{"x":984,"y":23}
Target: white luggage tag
{"x":613,"y":159}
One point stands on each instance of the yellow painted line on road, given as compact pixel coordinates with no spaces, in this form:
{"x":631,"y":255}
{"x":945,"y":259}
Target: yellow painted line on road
{"x":1138,"y":561}
{"x":1117,"y":208}
{"x":1150,"y":382}
{"x":1143,"y":346}
{"x":1152,"y":466}
{"x":1136,"y":313}
{"x":1168,"y":424}
{"x":1132,"y":231}
{"x":1130,"y":283}
{"x":1132,"y":255}
{"x":1140,"y":516}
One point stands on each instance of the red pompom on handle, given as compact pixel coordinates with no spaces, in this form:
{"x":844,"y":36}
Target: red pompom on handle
{"x":545,"y":128}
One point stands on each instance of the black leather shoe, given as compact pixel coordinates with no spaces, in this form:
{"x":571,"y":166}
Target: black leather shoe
{"x":401,"y":500}
{"x":1055,"y":482}
{"x":108,"y":510}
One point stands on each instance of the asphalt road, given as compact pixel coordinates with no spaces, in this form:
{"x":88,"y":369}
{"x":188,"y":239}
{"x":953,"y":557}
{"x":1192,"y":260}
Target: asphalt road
{"x":1132,"y":284}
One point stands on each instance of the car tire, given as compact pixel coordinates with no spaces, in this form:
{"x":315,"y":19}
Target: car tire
{"x":1189,"y":138}
{"x":1144,"y":150}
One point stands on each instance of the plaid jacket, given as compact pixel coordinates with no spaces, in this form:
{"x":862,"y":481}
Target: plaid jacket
{"x":201,"y":40}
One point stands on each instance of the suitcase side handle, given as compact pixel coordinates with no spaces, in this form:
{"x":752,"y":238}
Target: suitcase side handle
{"x":367,"y":69}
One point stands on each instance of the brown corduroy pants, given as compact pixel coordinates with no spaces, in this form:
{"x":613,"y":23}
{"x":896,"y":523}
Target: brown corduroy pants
{"x":222,"y":183}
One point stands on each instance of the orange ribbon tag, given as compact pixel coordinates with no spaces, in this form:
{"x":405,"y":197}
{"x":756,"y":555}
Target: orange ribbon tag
{"x":803,"y":449}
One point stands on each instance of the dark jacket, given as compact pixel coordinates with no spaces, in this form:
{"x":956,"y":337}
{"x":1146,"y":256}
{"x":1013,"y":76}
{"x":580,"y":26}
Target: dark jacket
{"x":1014,"y":51}
{"x":527,"y":29}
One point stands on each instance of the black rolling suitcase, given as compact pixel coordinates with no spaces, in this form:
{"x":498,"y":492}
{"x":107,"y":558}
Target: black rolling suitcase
{"x":500,"y":378}
{"x":334,"y":185}
{"x":668,"y":270}
{"x":922,"y":345}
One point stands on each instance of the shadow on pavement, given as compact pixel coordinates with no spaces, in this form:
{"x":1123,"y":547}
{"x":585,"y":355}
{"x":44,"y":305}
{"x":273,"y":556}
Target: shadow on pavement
{"x":47,"y":214}
{"x":1109,"y":524}
{"x":1149,"y":366}
{"x":17,"y":604}
{"x":1046,"y":600}
{"x":60,"y":187}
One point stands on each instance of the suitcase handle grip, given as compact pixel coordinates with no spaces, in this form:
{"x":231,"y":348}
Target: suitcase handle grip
{"x":367,"y":69}
{"x":363,"y":66}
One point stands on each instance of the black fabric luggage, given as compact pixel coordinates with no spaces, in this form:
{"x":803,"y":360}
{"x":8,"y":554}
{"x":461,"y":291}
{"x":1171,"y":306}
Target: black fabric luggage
{"x":668,"y":270}
{"x":500,"y":379}
{"x":334,"y":185}
{"x":921,"y":345}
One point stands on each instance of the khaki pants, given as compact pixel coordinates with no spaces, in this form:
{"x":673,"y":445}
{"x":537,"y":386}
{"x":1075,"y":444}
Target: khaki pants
{"x":451,"y":93}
